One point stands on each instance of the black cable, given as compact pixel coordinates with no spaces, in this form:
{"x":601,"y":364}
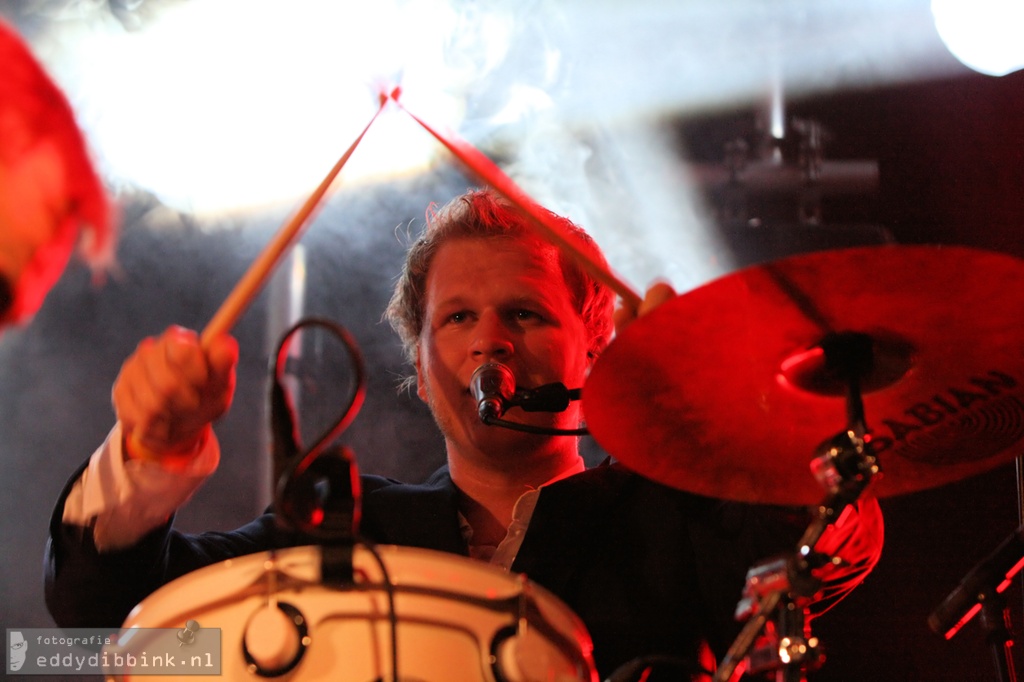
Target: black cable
{"x":389,"y":590}
{"x":358,"y":365}
{"x":294,"y":466}
{"x":529,"y":428}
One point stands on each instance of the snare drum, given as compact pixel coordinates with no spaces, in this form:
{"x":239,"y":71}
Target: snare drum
{"x":452,"y":619}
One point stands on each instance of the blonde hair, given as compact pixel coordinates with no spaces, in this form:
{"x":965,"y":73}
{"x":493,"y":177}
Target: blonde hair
{"x":484,"y":213}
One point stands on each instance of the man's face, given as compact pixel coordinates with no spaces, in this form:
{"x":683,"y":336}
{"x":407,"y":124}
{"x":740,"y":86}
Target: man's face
{"x":502,"y":300}
{"x":19,"y":649}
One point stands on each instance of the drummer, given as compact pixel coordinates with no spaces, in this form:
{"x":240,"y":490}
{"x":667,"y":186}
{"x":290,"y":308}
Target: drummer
{"x":650,"y":570}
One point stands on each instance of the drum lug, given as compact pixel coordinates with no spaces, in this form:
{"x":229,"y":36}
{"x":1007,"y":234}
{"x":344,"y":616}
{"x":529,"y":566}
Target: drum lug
{"x":275,"y":639}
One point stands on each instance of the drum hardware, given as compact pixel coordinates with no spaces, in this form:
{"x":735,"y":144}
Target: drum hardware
{"x":982,"y":591}
{"x":275,"y":639}
{"x":779,"y":591}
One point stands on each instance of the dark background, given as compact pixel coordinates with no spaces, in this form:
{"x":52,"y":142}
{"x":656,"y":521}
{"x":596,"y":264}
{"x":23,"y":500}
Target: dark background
{"x":950,"y":155}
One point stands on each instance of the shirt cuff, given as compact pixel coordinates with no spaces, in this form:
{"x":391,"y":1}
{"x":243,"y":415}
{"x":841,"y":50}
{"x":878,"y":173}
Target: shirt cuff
{"x":122,"y":499}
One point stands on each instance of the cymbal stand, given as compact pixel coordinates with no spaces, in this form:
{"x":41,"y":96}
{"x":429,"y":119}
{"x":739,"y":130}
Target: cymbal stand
{"x":779,"y":591}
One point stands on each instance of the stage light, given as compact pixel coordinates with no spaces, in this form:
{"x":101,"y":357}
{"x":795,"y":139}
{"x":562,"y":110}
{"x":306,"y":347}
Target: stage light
{"x":983,"y":34}
{"x":226,"y":105}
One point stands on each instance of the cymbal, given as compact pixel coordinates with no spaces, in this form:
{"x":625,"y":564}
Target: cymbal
{"x":723,"y":391}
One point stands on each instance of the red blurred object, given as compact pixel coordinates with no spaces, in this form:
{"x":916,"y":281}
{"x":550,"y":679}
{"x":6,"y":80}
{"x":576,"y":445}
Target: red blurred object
{"x":51,"y":199}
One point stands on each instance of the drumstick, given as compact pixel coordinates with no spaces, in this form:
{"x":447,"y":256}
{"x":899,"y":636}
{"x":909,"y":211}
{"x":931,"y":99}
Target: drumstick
{"x":252,"y":281}
{"x":489,"y":172}
{"x":254,"y":278}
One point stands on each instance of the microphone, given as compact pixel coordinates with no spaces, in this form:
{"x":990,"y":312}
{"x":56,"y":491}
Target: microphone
{"x":492,"y":386}
{"x":994,"y":573}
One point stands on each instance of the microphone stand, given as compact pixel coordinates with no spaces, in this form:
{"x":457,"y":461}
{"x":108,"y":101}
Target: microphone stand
{"x":778,"y":591}
{"x":982,"y":591}
{"x":995,"y":621}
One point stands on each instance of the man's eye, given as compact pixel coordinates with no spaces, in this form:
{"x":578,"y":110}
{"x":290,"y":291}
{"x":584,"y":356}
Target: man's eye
{"x":457,"y":318}
{"x":526,"y":315}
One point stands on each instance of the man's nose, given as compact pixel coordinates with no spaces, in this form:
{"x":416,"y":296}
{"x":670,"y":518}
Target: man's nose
{"x":493,"y":339}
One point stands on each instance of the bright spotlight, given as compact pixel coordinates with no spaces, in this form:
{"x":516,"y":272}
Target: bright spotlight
{"x":983,"y":34}
{"x":232,"y":104}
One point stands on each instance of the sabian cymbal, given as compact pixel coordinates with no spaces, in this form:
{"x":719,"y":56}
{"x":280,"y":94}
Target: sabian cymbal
{"x":722,"y":390}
